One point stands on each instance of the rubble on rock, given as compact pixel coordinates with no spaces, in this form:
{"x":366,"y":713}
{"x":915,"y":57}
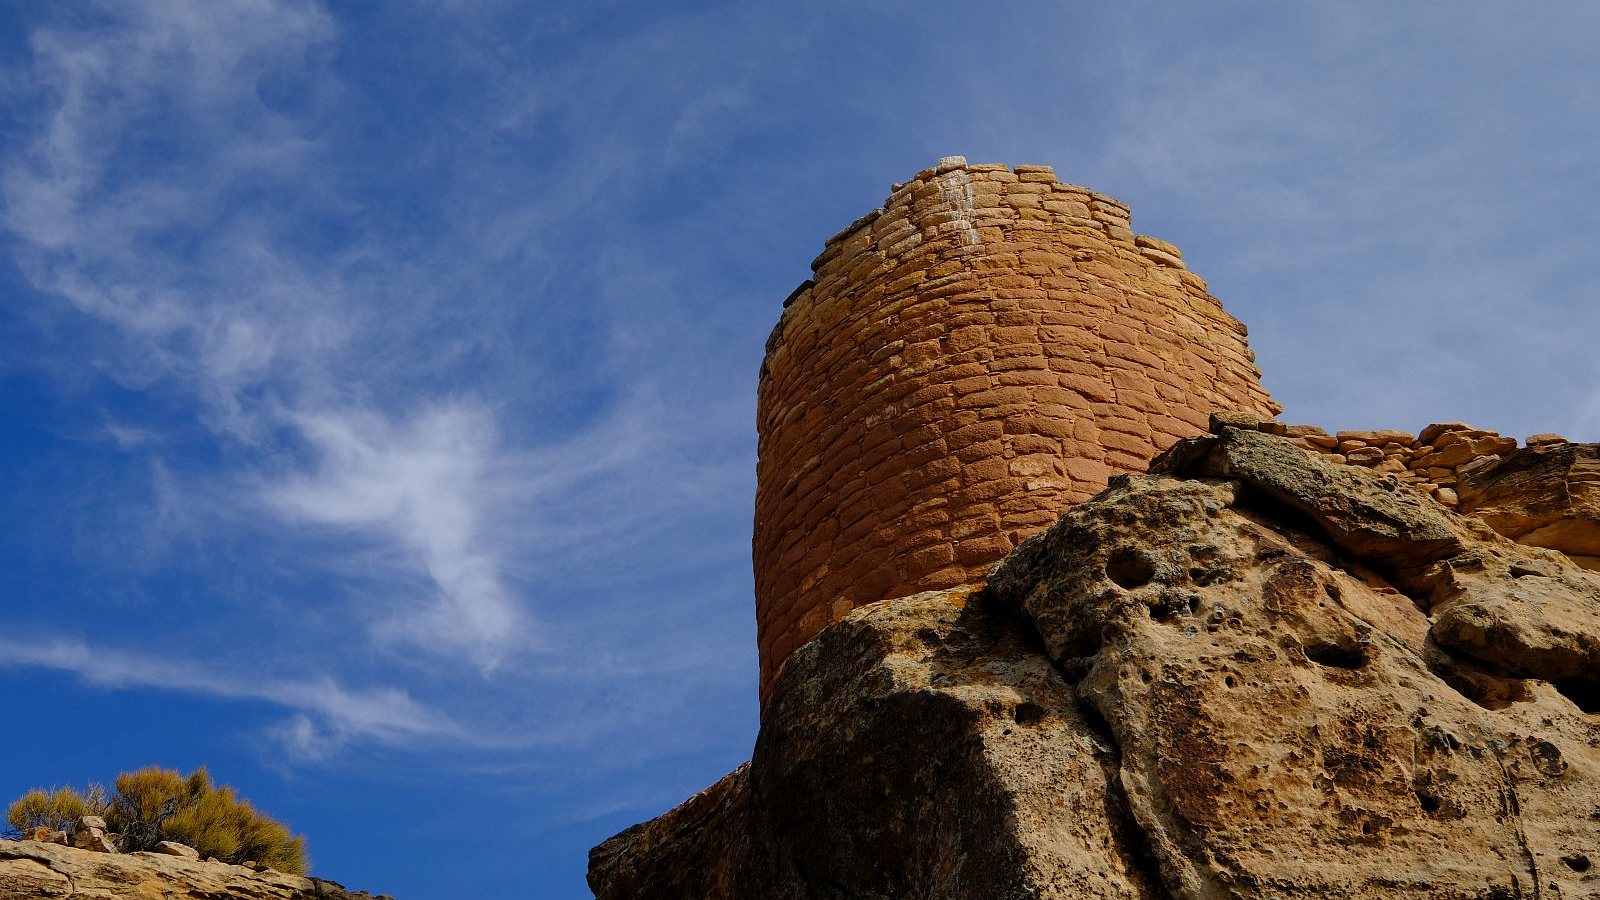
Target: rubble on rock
{"x":1252,"y":673}
{"x":1433,"y":461}
{"x":1546,"y":494}
{"x":89,"y":833}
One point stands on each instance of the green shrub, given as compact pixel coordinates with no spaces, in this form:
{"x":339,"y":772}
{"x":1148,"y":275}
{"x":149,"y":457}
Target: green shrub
{"x":56,"y":809}
{"x":154,"y":804}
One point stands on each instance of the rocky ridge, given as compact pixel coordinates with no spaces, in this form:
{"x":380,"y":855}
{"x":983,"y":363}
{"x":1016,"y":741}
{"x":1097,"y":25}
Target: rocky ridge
{"x":1253,"y":672}
{"x":47,"y":870}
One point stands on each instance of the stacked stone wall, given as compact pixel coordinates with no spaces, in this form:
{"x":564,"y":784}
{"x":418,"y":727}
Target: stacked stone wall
{"x":988,"y":347}
{"x":1433,"y":461}
{"x":1544,"y":493}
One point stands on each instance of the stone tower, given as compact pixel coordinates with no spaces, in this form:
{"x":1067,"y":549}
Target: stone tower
{"x":988,"y":347}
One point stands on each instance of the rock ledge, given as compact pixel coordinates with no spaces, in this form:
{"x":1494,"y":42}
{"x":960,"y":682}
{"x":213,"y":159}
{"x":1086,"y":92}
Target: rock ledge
{"x":37,"y":870}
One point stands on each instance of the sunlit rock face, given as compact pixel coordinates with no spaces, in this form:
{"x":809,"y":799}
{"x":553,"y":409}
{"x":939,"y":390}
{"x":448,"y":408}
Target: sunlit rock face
{"x":1546,"y":494}
{"x":1253,"y":672}
{"x":41,"y":870}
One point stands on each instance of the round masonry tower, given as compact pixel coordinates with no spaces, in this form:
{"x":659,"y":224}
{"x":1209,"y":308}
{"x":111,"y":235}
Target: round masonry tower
{"x":988,"y":347}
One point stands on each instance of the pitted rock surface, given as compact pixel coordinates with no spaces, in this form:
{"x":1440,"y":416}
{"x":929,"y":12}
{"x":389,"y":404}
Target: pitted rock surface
{"x":918,"y":748}
{"x":1254,"y":673}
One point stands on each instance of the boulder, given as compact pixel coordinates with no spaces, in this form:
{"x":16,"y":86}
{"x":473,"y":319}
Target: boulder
{"x":1439,"y":429}
{"x":89,"y":833}
{"x":1252,"y":673}
{"x":917,"y":748}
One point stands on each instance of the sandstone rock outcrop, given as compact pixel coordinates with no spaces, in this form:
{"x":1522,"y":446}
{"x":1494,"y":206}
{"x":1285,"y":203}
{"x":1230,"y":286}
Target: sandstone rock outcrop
{"x":918,"y":748}
{"x":1251,"y":673}
{"x":1546,"y":494}
{"x":35,"y":870}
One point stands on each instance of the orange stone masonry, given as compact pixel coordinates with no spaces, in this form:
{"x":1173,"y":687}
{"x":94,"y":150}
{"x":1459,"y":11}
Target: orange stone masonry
{"x":988,"y":347}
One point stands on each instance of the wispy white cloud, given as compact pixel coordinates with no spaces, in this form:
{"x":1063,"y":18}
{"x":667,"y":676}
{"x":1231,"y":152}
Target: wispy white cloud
{"x":223,"y":299}
{"x":129,"y":437}
{"x":425,"y":484}
{"x":326,"y":714}
{"x":339,"y":384}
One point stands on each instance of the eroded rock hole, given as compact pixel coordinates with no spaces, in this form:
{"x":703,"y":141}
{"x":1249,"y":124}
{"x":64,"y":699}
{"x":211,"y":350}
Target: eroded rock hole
{"x":1547,"y":759}
{"x":1583,"y":693}
{"x":1577,"y":862}
{"x":1027,"y":713}
{"x":1486,"y":691}
{"x":1204,"y":576}
{"x":1337,"y":656}
{"x":1130,"y":568}
{"x":1171,"y":602}
{"x":1430,"y":803}
{"x":1077,"y":667}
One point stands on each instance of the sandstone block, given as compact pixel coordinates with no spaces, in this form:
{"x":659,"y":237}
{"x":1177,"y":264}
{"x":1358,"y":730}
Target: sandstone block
{"x":1362,"y":456}
{"x":1147,"y":242}
{"x":981,"y":550}
{"x":94,"y":839}
{"x":1160,"y":258}
{"x":173,"y":848}
{"x":1033,"y":466}
{"x":1433,"y":432}
{"x":1450,"y":456}
{"x":1378,"y":437}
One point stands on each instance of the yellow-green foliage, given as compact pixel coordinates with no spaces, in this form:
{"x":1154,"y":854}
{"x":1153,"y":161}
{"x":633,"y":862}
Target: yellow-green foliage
{"x":54,"y":810}
{"x":160,"y":804}
{"x":143,"y":796}
{"x":217,"y":823}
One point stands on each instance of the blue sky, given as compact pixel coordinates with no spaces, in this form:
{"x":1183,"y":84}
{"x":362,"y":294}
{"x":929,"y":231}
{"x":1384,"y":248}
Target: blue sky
{"x":377,"y":381}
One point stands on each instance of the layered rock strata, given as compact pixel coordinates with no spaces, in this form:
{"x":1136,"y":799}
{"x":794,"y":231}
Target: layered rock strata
{"x":40,"y":870}
{"x":1546,"y":494}
{"x":987,"y":347}
{"x":1252,"y":673}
